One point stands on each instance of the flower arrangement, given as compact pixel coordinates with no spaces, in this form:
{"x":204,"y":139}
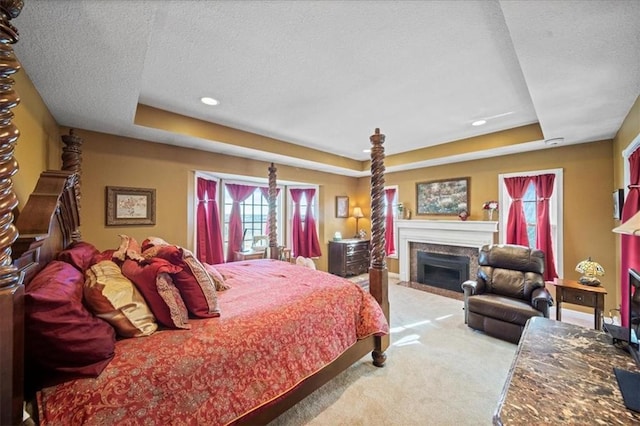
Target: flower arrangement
{"x":490,"y":205}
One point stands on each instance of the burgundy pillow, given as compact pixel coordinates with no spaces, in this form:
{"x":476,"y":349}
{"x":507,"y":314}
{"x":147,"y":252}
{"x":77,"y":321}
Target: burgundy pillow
{"x":194,"y":282}
{"x":79,"y":254}
{"x":61,"y":336}
{"x":156,"y":285}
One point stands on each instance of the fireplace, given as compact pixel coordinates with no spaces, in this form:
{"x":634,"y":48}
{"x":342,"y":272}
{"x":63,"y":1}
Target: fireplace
{"x":446,"y":271}
{"x":453,"y":237}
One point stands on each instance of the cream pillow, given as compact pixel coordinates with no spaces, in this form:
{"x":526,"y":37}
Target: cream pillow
{"x":114,"y":298}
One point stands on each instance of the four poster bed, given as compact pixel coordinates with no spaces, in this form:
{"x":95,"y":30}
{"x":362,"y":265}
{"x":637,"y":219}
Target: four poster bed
{"x":232,"y":343}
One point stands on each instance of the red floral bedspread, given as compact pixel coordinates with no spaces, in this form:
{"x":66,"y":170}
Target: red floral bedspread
{"x":279,"y":324}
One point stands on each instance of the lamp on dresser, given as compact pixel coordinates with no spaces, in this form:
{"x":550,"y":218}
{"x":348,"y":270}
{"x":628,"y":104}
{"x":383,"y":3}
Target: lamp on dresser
{"x":357,"y":213}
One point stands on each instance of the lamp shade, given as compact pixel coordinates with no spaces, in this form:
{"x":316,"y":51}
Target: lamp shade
{"x":630,"y":227}
{"x":357,"y":213}
{"x":590,"y":270}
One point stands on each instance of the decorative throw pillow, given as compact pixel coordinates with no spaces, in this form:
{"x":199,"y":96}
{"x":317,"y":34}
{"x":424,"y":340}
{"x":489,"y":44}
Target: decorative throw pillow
{"x":61,"y":336}
{"x":217,"y":277}
{"x":80,"y":254}
{"x":128,"y":249}
{"x":306,"y":262}
{"x":156,"y":285}
{"x":113,"y":297}
{"x":194,"y":283}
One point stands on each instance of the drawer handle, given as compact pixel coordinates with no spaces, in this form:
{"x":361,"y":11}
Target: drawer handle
{"x":579,"y":298}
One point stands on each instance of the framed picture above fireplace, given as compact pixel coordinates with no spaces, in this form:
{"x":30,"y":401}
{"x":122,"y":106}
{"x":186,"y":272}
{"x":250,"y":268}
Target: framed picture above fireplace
{"x":442,"y":197}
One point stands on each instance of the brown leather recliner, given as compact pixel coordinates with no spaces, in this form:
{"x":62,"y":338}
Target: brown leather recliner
{"x":509,"y":290}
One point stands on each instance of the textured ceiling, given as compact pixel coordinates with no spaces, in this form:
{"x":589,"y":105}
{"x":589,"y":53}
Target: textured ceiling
{"x":323,"y":74}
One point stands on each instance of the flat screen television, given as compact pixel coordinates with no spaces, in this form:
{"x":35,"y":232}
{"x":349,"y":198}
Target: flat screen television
{"x":629,"y":382}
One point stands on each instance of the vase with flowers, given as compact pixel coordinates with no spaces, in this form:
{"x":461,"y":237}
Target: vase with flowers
{"x":490,"y":207}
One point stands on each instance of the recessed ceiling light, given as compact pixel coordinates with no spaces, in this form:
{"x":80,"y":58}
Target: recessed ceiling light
{"x":479,"y":122}
{"x":209,"y":101}
{"x":554,"y":141}
{"x":366,"y":150}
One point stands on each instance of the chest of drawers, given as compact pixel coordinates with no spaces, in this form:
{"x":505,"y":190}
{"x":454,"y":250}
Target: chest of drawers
{"x":349,"y":257}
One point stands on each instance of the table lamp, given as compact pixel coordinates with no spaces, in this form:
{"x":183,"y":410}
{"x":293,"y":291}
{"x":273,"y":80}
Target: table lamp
{"x":357,"y":213}
{"x":630,"y":227}
{"x":591,"y":271}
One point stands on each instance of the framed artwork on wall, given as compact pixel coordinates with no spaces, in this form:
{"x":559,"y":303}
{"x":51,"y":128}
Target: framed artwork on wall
{"x":342,"y":206}
{"x":442,"y":197}
{"x":618,"y":202}
{"x":130,"y":206}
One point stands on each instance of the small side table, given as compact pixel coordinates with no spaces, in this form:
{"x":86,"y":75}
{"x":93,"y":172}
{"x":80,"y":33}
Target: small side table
{"x":573,"y":292}
{"x":249,"y":255}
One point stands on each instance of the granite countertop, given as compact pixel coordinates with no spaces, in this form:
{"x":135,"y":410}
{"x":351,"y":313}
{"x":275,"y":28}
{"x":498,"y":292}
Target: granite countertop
{"x":563,"y":373}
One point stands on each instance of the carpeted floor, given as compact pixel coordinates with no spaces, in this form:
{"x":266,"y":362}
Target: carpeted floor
{"x":438,"y":372}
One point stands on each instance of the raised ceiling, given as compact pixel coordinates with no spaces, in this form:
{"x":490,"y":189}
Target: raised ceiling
{"x":324,"y":74}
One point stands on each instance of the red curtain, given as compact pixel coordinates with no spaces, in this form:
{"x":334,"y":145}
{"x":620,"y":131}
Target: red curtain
{"x":238,"y":194}
{"x":297,"y":233}
{"x":516,"y":222}
{"x":209,"y":235}
{"x":389,"y":238}
{"x":544,"y":190}
{"x":629,"y":244}
{"x":311,"y":243}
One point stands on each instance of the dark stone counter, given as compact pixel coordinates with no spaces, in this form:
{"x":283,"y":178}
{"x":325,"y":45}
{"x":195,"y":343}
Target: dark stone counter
{"x":563,"y":373}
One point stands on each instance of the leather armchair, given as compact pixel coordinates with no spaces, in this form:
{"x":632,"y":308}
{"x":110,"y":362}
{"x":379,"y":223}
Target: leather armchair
{"x":508,"y":291}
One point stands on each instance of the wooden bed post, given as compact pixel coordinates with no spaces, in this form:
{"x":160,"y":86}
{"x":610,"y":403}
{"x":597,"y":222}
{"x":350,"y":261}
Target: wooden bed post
{"x":273,"y":225}
{"x":11,"y":289}
{"x":378,"y":273}
{"x":72,"y":162}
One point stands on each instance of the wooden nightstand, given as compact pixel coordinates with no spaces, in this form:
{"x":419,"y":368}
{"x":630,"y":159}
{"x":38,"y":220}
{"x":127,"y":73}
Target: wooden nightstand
{"x":573,"y":292}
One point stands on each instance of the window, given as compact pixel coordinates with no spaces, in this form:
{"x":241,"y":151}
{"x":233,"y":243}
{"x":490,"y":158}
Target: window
{"x":529,"y":205}
{"x":254,"y":212}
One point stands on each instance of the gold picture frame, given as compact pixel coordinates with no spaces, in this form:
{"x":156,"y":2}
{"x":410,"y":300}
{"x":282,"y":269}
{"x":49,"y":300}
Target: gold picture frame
{"x":342,"y":206}
{"x":130,"y":206}
{"x":442,"y":197}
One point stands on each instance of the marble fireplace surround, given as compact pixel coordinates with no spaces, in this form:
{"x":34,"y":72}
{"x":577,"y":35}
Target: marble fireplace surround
{"x":414,"y":235}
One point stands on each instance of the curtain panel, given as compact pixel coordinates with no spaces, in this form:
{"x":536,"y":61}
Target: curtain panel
{"x":209,"y":234}
{"x":389,"y":237}
{"x":629,"y":244}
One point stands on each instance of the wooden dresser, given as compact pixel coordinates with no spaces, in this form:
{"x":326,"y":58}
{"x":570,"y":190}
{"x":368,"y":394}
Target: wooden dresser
{"x":349,"y":257}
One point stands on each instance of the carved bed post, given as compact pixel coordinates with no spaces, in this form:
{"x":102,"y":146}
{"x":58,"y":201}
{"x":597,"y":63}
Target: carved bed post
{"x":11,"y":289}
{"x":72,"y":161}
{"x":273,"y":225}
{"x":378,"y":273}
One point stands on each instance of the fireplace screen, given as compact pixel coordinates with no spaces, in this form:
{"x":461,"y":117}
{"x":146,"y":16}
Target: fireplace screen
{"x":444,"y":271}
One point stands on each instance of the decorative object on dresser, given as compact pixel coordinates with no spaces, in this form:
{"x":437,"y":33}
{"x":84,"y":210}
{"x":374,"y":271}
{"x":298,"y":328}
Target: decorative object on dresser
{"x":357,"y":213}
{"x":591,"y":271}
{"x":442,"y":197}
{"x":342,"y":206}
{"x":130,"y":206}
{"x":349,"y":257}
{"x":573,"y":292}
{"x":509,"y":291}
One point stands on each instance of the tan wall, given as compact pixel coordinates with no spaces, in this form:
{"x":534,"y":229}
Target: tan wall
{"x":116,"y":161}
{"x":588,"y":179}
{"x":38,"y":147}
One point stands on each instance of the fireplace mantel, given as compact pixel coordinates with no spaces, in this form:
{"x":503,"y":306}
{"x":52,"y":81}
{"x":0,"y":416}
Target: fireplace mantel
{"x":471,"y":233}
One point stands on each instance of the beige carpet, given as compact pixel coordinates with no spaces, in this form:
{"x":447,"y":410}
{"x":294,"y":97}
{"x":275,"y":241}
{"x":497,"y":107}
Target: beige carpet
{"x":438,"y":372}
